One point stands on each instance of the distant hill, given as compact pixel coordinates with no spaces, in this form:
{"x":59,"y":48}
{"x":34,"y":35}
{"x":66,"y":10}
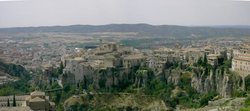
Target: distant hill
{"x":233,"y":26}
{"x":141,"y":30}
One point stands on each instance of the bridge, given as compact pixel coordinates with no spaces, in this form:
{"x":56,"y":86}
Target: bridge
{"x":53,"y":90}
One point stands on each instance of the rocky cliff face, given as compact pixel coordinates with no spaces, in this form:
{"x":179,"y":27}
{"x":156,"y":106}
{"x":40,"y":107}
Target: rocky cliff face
{"x":213,"y":80}
{"x":173,"y":76}
{"x":111,"y":78}
{"x":216,"y":80}
{"x":121,"y":78}
{"x":118,"y":78}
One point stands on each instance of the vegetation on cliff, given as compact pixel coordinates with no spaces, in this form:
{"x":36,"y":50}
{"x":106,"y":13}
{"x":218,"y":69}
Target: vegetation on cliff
{"x":173,"y":86}
{"x":21,"y":85}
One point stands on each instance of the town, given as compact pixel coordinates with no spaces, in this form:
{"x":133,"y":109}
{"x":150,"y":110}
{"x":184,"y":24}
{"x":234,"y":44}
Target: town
{"x":124,"y":55}
{"x":106,"y":67}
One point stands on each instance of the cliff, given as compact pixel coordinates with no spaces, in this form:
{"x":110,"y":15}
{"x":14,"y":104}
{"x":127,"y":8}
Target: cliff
{"x":216,"y":80}
{"x":203,"y":80}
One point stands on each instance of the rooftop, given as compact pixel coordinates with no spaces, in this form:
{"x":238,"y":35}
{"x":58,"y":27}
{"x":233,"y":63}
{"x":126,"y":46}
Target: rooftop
{"x":37,"y":93}
{"x":15,"y":108}
{"x":36,"y":99}
{"x":137,"y":56}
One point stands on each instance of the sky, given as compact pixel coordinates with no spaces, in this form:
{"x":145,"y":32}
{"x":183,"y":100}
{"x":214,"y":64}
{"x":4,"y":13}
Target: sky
{"x":23,"y":13}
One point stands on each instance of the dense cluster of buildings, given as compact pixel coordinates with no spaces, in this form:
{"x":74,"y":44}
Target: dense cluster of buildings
{"x":31,"y":54}
{"x":85,"y":62}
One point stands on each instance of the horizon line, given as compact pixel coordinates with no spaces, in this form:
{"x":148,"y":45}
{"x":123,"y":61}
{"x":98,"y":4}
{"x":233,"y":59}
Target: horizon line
{"x":125,"y":24}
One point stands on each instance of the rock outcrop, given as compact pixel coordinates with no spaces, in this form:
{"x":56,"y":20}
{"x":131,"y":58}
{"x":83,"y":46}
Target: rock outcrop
{"x":215,"y":80}
{"x":173,"y":76}
{"x":204,"y":80}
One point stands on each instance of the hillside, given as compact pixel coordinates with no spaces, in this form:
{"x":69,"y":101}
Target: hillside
{"x":13,"y":70}
{"x":18,"y":78}
{"x":142,"y":30}
{"x":114,"y":102}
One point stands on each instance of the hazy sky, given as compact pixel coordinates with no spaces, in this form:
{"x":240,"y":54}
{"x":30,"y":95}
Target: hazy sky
{"x":19,"y":13}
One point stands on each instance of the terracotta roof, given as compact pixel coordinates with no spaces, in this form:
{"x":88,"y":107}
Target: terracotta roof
{"x":36,"y":99}
{"x":37,"y":93}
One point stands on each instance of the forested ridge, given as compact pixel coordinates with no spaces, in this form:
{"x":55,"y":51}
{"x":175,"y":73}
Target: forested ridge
{"x":141,"y":30}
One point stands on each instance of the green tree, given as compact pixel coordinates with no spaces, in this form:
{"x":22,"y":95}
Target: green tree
{"x":85,"y":85}
{"x":199,"y":62}
{"x":8,"y":102}
{"x":60,"y":70}
{"x":59,"y":107}
{"x":247,"y":105}
{"x":14,"y":100}
{"x":247,"y":101}
{"x":205,"y":98}
{"x":204,"y":61}
{"x":139,"y":76}
{"x":206,"y":71}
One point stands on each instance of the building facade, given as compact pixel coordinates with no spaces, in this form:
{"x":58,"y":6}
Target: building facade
{"x":241,"y":63}
{"x":36,"y":101}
